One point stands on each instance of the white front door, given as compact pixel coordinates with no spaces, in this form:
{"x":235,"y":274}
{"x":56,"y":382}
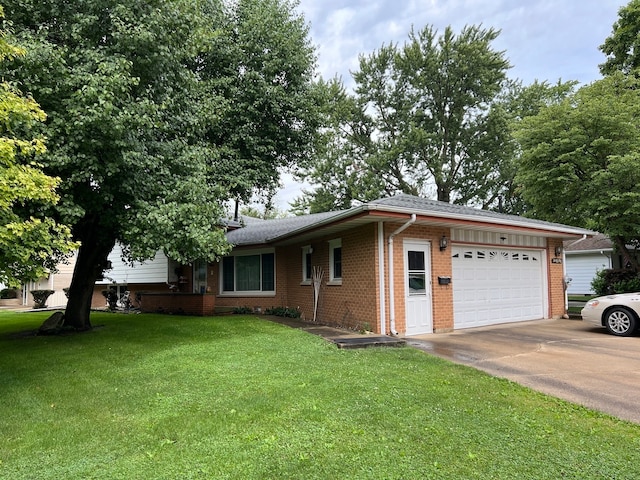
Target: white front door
{"x":417,"y":286}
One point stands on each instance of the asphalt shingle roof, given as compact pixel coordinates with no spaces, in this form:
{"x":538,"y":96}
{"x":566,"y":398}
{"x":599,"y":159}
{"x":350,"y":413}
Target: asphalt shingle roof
{"x":265,"y":231}
{"x":262,"y":232}
{"x":410,"y":202}
{"x":598,"y":242}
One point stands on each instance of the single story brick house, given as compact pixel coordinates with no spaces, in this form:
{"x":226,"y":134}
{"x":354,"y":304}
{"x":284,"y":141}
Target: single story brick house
{"x":401,"y":265}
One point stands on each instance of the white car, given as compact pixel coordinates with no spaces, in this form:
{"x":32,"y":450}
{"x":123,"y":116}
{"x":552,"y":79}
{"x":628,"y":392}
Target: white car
{"x":620,"y":313}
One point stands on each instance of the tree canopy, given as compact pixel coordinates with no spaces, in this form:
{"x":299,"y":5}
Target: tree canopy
{"x":31,"y":243}
{"x":622,"y":47}
{"x":158,"y":112}
{"x":581,"y":156}
{"x":423,"y":120}
{"x":581,"y":159}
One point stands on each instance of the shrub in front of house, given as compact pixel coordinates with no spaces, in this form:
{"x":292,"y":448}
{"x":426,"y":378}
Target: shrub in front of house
{"x":610,"y":281}
{"x":242,"y":310}
{"x":112,"y":298}
{"x":283,"y":312}
{"x":7,"y":293}
{"x":40,"y":297}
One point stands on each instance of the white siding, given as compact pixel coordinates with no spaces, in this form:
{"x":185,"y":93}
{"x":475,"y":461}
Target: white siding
{"x":582,"y":268}
{"x":151,"y":271}
{"x":496,"y":238}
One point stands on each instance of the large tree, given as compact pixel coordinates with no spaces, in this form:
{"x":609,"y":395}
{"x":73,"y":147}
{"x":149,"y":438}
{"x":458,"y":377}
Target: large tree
{"x":261,"y":64}
{"x":151,"y":125}
{"x":581,"y":159}
{"x":622,"y":47}
{"x":31,"y":243}
{"x":520,"y":102}
{"x":340,"y":170}
{"x":423,"y":120}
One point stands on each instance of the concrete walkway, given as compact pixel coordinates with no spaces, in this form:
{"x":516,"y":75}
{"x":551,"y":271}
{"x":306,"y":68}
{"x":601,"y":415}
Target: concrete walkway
{"x":341,"y":337}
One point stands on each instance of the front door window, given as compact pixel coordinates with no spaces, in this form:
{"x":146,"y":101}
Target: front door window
{"x":417,"y":277}
{"x":416,"y":272}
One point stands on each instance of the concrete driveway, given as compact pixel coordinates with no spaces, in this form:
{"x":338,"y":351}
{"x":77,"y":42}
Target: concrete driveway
{"x":568,"y":359}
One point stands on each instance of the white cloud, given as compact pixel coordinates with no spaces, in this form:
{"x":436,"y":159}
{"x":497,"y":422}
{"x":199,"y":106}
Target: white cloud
{"x":544,"y":39}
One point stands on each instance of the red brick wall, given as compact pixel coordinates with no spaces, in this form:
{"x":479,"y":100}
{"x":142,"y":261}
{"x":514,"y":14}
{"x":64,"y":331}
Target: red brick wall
{"x":442,"y":296}
{"x":179,"y":303}
{"x":556,"y":277}
{"x":356,"y":303}
{"x":99,"y":301}
{"x":353,"y":304}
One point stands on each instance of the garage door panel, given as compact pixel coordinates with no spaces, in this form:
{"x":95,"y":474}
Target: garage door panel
{"x":494,"y":285}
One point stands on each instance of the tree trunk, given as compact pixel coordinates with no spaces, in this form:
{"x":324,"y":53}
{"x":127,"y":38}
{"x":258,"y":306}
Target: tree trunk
{"x":90,"y":264}
{"x":630,"y":261}
{"x":444,"y":193}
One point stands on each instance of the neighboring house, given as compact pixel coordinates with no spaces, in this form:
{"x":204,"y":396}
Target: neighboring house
{"x":57,"y":282}
{"x":585,"y":257}
{"x":397,"y":265}
{"x":157,"y":275}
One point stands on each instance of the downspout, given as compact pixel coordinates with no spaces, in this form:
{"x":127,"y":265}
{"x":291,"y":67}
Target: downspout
{"x":565,"y":283}
{"x":609,"y":261}
{"x":392,"y":303}
{"x":383,"y":302}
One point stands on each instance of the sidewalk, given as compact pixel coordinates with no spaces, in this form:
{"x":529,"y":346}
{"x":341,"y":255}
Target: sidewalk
{"x":342,"y":338}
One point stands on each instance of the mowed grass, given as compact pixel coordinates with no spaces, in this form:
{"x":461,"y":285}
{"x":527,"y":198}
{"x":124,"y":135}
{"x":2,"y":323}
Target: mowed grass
{"x":236,"y":397}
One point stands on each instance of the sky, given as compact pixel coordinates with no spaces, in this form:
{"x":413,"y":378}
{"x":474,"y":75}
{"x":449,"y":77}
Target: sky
{"x":543,"y":39}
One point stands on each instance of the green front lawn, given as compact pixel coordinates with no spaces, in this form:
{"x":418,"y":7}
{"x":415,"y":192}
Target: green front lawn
{"x":235,"y":397}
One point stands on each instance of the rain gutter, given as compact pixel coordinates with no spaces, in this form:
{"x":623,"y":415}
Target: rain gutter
{"x":392,"y":303}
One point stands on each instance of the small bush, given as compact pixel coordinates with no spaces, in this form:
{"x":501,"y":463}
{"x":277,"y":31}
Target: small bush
{"x":242,"y":310}
{"x":609,"y":281}
{"x":8,"y":293}
{"x":40,"y":297}
{"x":283,"y":312}
{"x":112,"y":298}
{"x":630,"y":285}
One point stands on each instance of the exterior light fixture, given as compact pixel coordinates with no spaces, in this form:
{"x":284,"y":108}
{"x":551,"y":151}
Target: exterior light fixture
{"x":444,"y":242}
{"x":558,"y":251}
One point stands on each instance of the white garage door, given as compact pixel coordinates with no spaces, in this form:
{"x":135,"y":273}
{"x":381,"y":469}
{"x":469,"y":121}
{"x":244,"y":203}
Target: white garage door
{"x":496,"y":285}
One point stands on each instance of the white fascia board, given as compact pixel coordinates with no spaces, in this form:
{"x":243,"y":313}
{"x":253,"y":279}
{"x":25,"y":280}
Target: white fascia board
{"x":589,"y":252}
{"x":550,"y":228}
{"x":480,"y":219}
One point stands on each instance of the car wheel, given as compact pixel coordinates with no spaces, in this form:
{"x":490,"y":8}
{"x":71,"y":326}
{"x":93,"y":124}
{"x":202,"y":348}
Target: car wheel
{"x":620,"y":321}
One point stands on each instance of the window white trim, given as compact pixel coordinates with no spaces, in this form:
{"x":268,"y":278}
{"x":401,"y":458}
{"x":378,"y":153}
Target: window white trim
{"x":306,"y":265}
{"x":246,"y":293}
{"x":333,"y":278}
